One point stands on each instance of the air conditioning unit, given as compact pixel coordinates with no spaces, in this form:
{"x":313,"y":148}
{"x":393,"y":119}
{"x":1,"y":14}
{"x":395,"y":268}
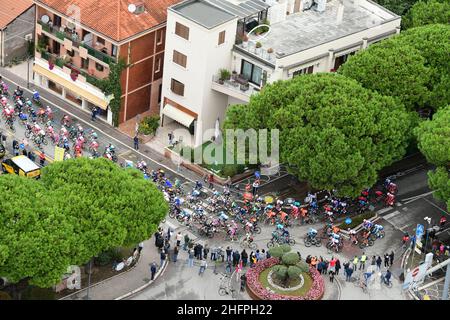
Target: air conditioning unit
{"x":29,"y":37}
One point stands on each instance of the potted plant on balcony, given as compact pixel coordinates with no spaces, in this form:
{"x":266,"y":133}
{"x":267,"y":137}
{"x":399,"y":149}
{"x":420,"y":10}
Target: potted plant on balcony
{"x":51,"y":63}
{"x":224,"y":75}
{"x":258,"y":48}
{"x":74,"y":74}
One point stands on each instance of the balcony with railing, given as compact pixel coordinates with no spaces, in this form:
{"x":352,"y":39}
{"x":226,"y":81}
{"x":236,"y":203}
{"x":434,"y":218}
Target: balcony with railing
{"x":61,"y":63}
{"x":71,"y":34}
{"x":237,"y":86}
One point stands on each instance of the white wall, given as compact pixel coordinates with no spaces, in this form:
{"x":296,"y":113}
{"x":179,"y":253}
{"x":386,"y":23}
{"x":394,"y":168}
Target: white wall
{"x":204,"y":59}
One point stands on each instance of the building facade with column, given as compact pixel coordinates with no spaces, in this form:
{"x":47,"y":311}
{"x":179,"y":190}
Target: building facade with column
{"x":78,"y":40}
{"x":205,"y":36}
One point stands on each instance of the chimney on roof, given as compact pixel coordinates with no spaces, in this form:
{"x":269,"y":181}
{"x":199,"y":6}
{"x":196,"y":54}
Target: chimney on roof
{"x":136,"y":7}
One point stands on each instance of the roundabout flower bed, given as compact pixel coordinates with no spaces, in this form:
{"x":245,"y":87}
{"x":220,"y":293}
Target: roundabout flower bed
{"x":258,"y":292}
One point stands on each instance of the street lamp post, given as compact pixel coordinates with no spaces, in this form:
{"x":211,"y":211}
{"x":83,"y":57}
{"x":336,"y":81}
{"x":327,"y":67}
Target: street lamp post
{"x":89,"y":280}
{"x":29,"y":58}
{"x":428,"y":220}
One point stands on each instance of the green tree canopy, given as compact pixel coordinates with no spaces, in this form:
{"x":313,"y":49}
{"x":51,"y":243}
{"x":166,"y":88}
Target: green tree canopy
{"x":79,"y":208}
{"x":439,"y":181}
{"x":413,"y":67}
{"x":399,"y":7}
{"x":427,"y":12}
{"x":434,"y":138}
{"x":333,"y":132}
{"x":392,"y":69}
{"x":434,"y":142}
{"x":433,"y":43}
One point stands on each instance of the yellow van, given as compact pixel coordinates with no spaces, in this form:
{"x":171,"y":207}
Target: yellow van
{"x":22,"y":166}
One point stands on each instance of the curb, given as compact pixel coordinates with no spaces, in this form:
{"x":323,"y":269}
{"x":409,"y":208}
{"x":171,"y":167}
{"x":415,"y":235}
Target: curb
{"x":101,"y":282}
{"x":338,"y":282}
{"x":158,"y":273}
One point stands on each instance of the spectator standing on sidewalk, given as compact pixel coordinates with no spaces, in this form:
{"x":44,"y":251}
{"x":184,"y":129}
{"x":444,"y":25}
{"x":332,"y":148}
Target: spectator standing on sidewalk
{"x":203,"y":266}
{"x":136,"y":142}
{"x":206,"y":251}
{"x":141,"y":246}
{"x":244,"y":257}
{"x":162,"y":257}
{"x":391,"y":258}
{"x":338,"y":266}
{"x":94,"y":113}
{"x":179,"y":236}
{"x":186,"y":242}
{"x":332,"y":265}
{"x":355,"y":263}
{"x":374,"y":261}
{"x":175,"y":254}
{"x":153,"y":270}
{"x":348,"y":272}
{"x":211,"y":181}
{"x":190,"y":258}
{"x":42,"y":158}
{"x":362,"y":261}
{"x":229,"y":251}
{"x":331,"y":276}
{"x":386,"y":260}
{"x":379,"y":261}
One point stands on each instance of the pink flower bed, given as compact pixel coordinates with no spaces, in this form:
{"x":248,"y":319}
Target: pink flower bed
{"x":258,"y":290}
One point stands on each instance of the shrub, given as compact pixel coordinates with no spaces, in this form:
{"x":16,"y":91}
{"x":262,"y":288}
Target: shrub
{"x":258,"y":44}
{"x":224,"y":74}
{"x":36,"y":293}
{"x":107,"y":257}
{"x":290,"y":258}
{"x":149,"y":125}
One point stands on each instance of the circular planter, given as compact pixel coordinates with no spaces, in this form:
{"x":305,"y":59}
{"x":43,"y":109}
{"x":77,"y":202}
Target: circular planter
{"x":258,"y":292}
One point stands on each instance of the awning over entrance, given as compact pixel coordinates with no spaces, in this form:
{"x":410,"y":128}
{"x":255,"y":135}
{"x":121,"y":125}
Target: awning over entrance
{"x":178,"y":115}
{"x":72,"y":87}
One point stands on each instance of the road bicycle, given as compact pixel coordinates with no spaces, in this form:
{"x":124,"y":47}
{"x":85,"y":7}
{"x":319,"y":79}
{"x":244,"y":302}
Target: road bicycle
{"x":248,"y":242}
{"x":310,"y":242}
{"x":225,"y":287}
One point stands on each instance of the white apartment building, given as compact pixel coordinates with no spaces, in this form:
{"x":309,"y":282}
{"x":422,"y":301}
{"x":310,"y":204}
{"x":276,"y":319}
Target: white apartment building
{"x":305,"y":36}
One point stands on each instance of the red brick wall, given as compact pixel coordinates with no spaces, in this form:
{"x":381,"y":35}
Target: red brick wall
{"x":140,"y":74}
{"x":143,"y":47}
{"x":138,"y":102}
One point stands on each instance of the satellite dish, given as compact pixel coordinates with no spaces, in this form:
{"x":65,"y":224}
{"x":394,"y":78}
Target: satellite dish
{"x":132,"y":8}
{"x":45,"y":19}
{"x":87,"y":38}
{"x":71,"y":25}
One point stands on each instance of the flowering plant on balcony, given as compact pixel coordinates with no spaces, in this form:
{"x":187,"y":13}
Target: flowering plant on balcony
{"x":51,"y":64}
{"x":74,"y":75}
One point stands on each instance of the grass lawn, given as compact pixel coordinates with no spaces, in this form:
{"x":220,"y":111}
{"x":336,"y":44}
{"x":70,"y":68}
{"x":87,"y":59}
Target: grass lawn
{"x":299,"y":292}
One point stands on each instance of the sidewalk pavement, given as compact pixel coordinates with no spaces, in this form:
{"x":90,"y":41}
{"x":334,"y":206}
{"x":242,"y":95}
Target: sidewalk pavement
{"x":138,"y":277}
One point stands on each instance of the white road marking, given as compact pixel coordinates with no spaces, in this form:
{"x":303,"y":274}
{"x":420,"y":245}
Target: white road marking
{"x":111,"y":137}
{"x":402,"y":228}
{"x":391,"y":215}
{"x":418,"y":196}
{"x":398,"y":204}
{"x":436,"y":206}
{"x":384,"y":210}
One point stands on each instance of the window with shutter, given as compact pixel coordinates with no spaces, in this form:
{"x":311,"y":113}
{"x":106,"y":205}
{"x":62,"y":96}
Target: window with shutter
{"x":221,"y":37}
{"x":177,"y":87}
{"x":179,"y":58}
{"x":182,"y":30}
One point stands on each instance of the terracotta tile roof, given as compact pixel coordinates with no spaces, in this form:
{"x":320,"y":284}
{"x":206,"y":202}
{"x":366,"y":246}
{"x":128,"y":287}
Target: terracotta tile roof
{"x":112,"y":18}
{"x":11,"y":9}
